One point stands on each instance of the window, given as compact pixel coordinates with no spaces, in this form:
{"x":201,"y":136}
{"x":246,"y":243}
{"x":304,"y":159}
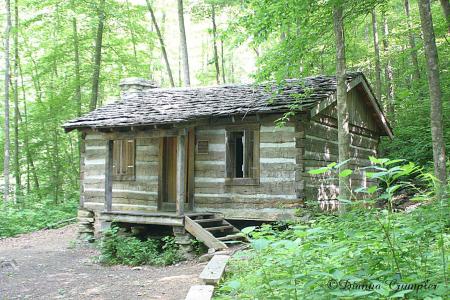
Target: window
{"x":202,"y":147}
{"x":124,"y":159}
{"x":242,"y":156}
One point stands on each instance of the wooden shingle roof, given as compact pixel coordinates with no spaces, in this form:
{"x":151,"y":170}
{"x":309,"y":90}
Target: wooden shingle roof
{"x":159,"y":106}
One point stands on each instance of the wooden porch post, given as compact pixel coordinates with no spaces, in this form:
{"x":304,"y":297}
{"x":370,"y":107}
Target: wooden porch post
{"x":108,"y":175}
{"x":181,"y":171}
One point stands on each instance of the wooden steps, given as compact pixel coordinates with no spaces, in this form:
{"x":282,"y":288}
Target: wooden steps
{"x":231,"y":237}
{"x":213,"y":230}
{"x":219,"y":228}
{"x":200,"y":292}
{"x":213,"y":271}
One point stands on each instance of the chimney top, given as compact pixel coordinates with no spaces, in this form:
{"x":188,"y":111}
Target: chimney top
{"x":136,"y":84}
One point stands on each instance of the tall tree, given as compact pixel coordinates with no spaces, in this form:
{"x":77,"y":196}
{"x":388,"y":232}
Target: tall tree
{"x":446,"y":9}
{"x":98,"y":55}
{"x":377,"y":56}
{"x":431,"y":54}
{"x":214,"y":32}
{"x":342,"y":108}
{"x":183,"y":43}
{"x":161,"y":42}
{"x":388,"y":72}
{"x":412,"y":43}
{"x":6,"y":157}
{"x":222,"y":55}
{"x":17,"y":173}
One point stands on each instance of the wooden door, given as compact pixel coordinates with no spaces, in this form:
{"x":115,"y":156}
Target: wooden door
{"x":168,"y":169}
{"x":169,"y":181}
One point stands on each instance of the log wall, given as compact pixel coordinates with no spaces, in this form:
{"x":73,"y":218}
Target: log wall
{"x":321,"y":148}
{"x":274,"y":198}
{"x":138,"y":195}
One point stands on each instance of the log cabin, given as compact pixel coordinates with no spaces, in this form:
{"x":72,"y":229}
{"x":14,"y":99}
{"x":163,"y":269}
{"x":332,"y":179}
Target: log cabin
{"x":197,"y":158}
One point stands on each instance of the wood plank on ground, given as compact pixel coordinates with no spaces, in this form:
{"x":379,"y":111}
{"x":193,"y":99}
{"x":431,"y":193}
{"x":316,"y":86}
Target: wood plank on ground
{"x":200,"y":292}
{"x":213,"y":271}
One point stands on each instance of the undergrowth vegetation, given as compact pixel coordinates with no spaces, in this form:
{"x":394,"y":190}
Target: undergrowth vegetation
{"x":31,"y":214}
{"x":367,"y":251}
{"x":129,"y":250}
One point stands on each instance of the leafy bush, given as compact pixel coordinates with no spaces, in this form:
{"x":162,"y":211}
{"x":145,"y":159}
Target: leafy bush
{"x":365,"y":252}
{"x":118,"y":249}
{"x":31,"y":214}
{"x":198,"y":247}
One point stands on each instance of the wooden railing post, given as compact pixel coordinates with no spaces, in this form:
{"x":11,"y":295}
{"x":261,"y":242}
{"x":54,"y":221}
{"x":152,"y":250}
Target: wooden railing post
{"x":181,"y":171}
{"x":108,"y":175}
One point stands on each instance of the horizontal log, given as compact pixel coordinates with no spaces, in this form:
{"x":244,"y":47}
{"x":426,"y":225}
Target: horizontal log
{"x":268,"y":187}
{"x":147,"y":141}
{"x":211,"y":156}
{"x":122,"y":194}
{"x":98,"y":207}
{"x":99,"y":144}
{"x":274,"y":152}
{"x":242,"y":196}
{"x":93,"y":136}
{"x":210,"y":172}
{"x":272,"y":128}
{"x":249,"y":205}
{"x":263,"y":214}
{"x":277,"y":137}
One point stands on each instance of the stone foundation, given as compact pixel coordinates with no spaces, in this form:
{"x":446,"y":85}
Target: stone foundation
{"x":86,"y":225}
{"x":184,"y":240}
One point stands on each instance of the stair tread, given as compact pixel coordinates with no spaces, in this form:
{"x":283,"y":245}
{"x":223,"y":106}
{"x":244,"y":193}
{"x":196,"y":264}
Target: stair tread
{"x":230,"y":237}
{"x":219,"y":228}
{"x":199,"y":214}
{"x":208,"y":220}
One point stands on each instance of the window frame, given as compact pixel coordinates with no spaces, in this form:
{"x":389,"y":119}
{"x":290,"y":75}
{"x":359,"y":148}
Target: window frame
{"x":255,"y":166}
{"x":118,"y":161}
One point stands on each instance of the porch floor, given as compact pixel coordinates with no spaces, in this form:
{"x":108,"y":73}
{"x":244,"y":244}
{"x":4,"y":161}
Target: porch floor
{"x":138,"y":217}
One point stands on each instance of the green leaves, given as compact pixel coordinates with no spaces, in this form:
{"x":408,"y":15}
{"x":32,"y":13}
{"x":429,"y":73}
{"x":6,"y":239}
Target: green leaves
{"x":129,"y":250}
{"x":339,"y":256}
{"x":345,"y":173}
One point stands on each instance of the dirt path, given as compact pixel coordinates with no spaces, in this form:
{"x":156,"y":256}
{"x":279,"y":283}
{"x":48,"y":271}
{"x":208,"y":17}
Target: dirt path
{"x":51,"y":266}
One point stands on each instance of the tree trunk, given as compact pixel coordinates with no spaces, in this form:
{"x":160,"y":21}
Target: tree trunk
{"x":7,"y":79}
{"x":97,"y":56}
{"x":76,"y":48}
{"x":133,"y":36}
{"x":30,"y":161}
{"x":342,"y":108}
{"x":389,"y":76}
{"x":183,"y":43}
{"x":412,"y":44}
{"x":377,"y":56}
{"x":222,"y":61}
{"x":214,"y":31}
{"x":446,"y":9}
{"x":161,"y":42}
{"x":17,"y":173}
{"x":431,"y":55}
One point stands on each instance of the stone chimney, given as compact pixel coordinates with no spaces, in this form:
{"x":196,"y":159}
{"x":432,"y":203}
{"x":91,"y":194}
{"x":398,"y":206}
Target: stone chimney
{"x":136,"y":85}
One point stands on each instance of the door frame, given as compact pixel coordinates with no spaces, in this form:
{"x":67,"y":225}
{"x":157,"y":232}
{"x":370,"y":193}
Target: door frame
{"x":189,"y":173}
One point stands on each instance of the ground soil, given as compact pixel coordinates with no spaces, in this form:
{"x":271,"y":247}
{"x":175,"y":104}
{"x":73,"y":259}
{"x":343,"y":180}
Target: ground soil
{"x":49,"y":264}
